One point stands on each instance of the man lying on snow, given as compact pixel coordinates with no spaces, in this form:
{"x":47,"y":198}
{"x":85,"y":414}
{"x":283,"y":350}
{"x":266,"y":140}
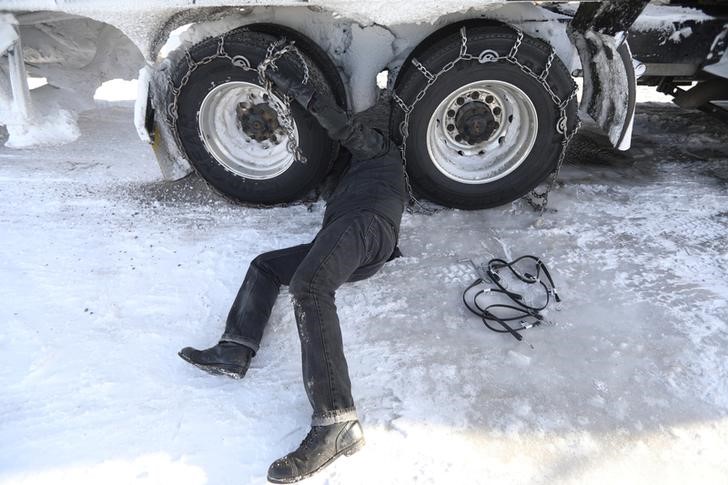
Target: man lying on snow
{"x":359,"y":234}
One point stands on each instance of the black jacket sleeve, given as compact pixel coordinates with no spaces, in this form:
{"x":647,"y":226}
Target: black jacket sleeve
{"x":363,"y":142}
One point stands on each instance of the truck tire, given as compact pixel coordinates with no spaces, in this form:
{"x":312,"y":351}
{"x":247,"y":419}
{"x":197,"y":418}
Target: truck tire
{"x":230,"y":132}
{"x":485,"y":133}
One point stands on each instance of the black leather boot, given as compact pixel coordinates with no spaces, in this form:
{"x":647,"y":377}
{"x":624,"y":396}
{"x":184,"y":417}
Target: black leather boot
{"x":322,"y":446}
{"x":225,"y":358}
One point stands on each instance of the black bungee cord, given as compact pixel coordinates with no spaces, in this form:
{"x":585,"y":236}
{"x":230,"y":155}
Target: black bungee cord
{"x":527,"y":315}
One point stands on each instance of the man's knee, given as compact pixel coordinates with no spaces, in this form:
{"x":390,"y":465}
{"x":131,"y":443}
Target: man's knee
{"x":306,"y":283}
{"x":260,"y":262}
{"x":301,"y":283}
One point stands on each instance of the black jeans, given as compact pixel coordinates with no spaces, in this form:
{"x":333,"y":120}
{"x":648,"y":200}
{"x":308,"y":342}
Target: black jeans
{"x":351,"y":248}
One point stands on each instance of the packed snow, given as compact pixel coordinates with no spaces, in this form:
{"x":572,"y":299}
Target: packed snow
{"x":680,"y":35}
{"x":107,"y":271}
{"x":665,"y":17}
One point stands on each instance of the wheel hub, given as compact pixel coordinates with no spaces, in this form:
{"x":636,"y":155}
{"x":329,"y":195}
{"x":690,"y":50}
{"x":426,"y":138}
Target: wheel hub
{"x":475,"y":122}
{"x":259,"y":121}
{"x":482,"y":131}
{"x":240,"y":129}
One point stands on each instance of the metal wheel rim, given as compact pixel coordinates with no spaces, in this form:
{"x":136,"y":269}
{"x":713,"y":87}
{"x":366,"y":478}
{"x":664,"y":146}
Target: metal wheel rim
{"x":502,"y":153}
{"x":225,"y":140}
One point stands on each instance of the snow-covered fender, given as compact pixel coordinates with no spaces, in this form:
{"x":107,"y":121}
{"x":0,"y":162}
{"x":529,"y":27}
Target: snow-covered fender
{"x":609,"y":90}
{"x":152,"y":127}
{"x":598,"y":30}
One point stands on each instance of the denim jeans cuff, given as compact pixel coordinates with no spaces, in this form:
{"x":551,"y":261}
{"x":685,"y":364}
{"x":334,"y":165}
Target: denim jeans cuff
{"x":335,"y":416}
{"x":240,"y":340}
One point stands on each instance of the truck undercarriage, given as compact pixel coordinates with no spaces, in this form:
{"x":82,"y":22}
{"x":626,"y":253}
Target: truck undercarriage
{"x":482,"y":97}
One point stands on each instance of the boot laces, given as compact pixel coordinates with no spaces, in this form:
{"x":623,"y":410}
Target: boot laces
{"x":310,"y":439}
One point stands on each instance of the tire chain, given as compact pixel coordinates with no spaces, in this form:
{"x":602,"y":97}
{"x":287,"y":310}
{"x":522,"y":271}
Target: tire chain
{"x":275,"y":51}
{"x":538,"y":200}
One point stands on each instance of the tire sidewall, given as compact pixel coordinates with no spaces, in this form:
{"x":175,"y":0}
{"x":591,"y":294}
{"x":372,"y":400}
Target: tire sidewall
{"x":530,"y":170}
{"x":295,"y":181}
{"x":544,"y":154}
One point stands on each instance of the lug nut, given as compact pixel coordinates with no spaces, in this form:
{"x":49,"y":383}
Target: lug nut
{"x":496,"y":111}
{"x":475,"y":95}
{"x":450,"y":127}
{"x":496,"y":126}
{"x":450,"y":113}
{"x":489,"y":99}
{"x":460,"y":101}
{"x":458,"y":138}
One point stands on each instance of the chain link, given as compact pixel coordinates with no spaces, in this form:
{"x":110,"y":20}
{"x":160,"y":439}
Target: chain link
{"x":274,"y":53}
{"x":538,"y":200}
{"x":547,"y":68}
{"x":517,"y":45}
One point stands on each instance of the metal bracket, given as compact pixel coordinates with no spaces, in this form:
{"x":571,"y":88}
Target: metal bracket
{"x":16,"y":69}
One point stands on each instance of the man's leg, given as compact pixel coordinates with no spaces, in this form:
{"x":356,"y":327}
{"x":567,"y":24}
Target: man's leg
{"x":337,"y":252}
{"x":252,"y":307}
{"x":249,"y":314}
{"x":348,"y":249}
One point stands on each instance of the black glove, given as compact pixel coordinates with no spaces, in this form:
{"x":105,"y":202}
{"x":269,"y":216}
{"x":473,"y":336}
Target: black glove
{"x":292,"y":87}
{"x":363,"y":142}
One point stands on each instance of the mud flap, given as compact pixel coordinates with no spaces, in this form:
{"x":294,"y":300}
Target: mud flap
{"x":153,"y":127}
{"x":609,"y":91}
{"x":598,"y":30}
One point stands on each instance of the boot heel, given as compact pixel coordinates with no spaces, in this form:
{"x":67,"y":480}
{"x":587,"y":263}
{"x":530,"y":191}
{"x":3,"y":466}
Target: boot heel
{"x":354,"y":448}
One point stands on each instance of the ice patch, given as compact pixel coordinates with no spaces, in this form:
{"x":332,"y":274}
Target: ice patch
{"x":519,"y":359}
{"x":634,"y":391}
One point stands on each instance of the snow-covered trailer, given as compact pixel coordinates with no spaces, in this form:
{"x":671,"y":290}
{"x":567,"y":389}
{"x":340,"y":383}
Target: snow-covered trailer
{"x":484,"y":98}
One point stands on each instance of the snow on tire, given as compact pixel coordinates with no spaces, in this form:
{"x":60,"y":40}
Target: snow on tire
{"x":485,"y":133}
{"x":230,"y":133}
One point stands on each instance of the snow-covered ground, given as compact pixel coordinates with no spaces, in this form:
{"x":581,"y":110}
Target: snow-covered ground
{"x":106,"y":272}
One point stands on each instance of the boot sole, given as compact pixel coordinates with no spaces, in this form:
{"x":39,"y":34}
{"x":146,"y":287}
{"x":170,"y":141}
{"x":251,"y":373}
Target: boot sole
{"x":346,"y":452}
{"x":216,"y":369}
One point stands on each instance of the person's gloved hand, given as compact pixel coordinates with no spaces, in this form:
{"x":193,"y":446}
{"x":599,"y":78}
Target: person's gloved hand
{"x":303,"y":93}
